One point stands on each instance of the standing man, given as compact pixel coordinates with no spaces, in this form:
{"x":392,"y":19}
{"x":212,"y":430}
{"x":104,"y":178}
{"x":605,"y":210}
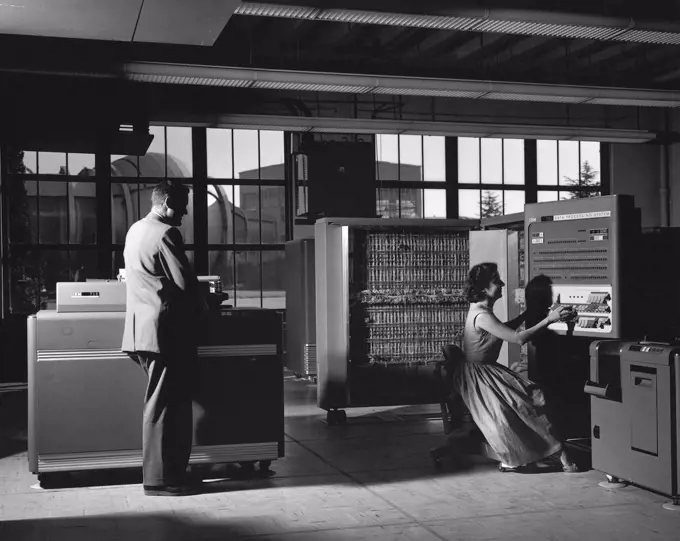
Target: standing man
{"x":163,"y":304}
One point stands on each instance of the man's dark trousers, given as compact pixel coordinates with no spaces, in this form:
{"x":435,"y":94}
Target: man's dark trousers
{"x":167,"y":426}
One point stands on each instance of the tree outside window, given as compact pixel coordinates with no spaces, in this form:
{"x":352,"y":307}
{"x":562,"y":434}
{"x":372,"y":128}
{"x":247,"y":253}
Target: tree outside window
{"x":588,"y":179}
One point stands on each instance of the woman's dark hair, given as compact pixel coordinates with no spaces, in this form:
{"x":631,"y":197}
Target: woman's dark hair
{"x":479,"y":278}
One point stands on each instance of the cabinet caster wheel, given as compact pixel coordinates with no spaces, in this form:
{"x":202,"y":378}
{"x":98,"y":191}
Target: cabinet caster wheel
{"x":612,"y":483}
{"x":265,"y":465}
{"x":342,"y":417}
{"x":673,"y":505}
{"x":331,"y":418}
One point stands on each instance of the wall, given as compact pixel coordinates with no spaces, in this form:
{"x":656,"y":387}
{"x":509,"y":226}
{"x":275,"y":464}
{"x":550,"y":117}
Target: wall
{"x":674,"y":167}
{"x":636,"y":170}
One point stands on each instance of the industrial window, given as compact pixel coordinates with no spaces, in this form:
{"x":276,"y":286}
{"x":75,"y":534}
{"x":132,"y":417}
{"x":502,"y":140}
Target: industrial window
{"x":52,"y":224}
{"x":56,"y":209}
{"x":567,"y":170}
{"x":246,"y":214}
{"x":491,"y":177}
{"x":410,"y":175}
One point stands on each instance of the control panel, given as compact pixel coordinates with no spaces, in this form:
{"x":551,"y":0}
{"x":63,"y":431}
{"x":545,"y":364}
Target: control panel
{"x":592,"y":307}
{"x":584,"y":246}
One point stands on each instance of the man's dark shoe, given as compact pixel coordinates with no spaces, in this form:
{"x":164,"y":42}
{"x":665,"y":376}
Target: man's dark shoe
{"x":170,"y":490}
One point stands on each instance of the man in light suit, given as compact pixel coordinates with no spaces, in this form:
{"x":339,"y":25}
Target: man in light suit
{"x":163,"y":304}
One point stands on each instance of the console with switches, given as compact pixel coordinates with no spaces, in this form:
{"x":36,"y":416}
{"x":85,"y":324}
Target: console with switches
{"x":591,"y":306}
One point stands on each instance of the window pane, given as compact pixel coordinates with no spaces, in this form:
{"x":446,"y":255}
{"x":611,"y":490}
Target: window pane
{"x":271,"y":155}
{"x":248,"y":280}
{"x":52,"y":163}
{"x":273,"y":211}
{"x":544,"y":196}
{"x":434,"y":204}
{"x":22,"y":162}
{"x":387,"y":156}
{"x":468,"y":203}
{"x":546,"y":158}
{"x":180,"y":164}
{"x":250,"y":205}
{"x":590,"y":163}
{"x":124,"y":166}
{"x":273,"y":271}
{"x":411,"y":152}
{"x":220,"y":164}
{"x":82,"y":212}
{"x":228,"y":222}
{"x":468,"y":160}
{"x":387,"y":202}
{"x":411,"y":201}
{"x":492,"y":203}
{"x":124,"y":209}
{"x":66,"y":212}
{"x":569,"y":163}
{"x":53,"y":212}
{"x":492,"y":161}
{"x":81,"y":164}
{"x":434,"y":158}
{"x":514,"y":201}
{"x":221,"y":263}
{"x":246,"y":154}
{"x":153,"y":163}
{"x":569,"y":195}
{"x":23,"y":210}
{"x":513,"y":161}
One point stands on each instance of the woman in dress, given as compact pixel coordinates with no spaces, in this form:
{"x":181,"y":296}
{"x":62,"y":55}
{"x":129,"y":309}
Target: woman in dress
{"x":509,"y":410}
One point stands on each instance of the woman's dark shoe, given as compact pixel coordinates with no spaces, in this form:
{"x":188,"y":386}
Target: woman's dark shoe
{"x":170,"y":490}
{"x":436,"y":461}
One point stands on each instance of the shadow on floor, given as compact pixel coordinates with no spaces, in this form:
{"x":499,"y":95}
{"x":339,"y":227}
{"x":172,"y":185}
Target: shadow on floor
{"x":147,"y":526}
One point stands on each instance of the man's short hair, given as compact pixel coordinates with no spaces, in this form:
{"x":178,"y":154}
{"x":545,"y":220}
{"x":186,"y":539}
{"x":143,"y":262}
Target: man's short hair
{"x":171,"y":189}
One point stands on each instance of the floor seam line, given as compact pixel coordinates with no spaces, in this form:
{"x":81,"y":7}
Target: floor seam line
{"x":363,"y":485}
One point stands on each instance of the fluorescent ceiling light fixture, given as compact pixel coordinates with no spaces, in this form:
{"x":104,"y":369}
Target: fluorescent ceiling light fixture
{"x":522,"y":22}
{"x":305,"y":81}
{"x":532,"y":97}
{"x":459,"y":129}
{"x":627,"y":102}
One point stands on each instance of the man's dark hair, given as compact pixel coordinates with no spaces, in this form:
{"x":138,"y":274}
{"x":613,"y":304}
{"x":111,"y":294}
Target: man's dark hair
{"x":479,"y":279}
{"x":169,"y":189}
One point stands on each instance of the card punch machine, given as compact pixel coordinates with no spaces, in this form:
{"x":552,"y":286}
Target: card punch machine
{"x":635,"y":414}
{"x":85,"y":395}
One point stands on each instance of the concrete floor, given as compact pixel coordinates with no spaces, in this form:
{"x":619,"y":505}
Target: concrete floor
{"x":369,"y":480}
